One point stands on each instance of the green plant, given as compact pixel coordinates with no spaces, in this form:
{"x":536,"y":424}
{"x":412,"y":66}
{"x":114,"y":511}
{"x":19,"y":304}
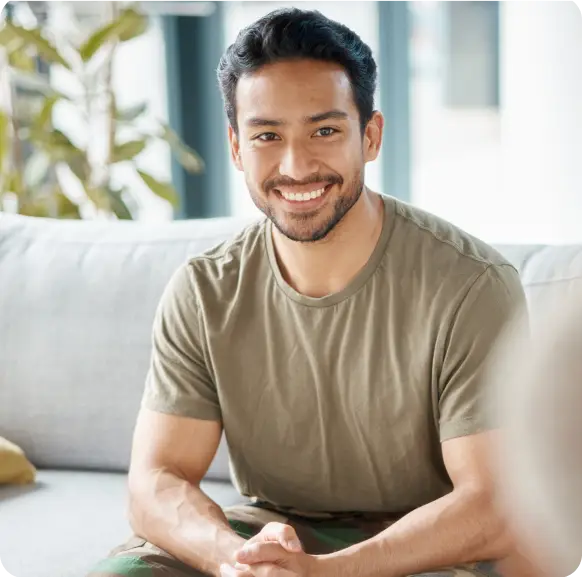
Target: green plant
{"x":42,"y":169}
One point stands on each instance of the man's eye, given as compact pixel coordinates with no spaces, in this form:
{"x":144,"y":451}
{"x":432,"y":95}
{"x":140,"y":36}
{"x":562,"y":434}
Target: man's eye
{"x":267,"y":136}
{"x":326,"y":131}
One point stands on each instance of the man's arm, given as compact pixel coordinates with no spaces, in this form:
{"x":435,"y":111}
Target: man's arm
{"x":461,"y":527}
{"x":171,"y":455}
{"x":177,"y":436}
{"x":465,"y":525}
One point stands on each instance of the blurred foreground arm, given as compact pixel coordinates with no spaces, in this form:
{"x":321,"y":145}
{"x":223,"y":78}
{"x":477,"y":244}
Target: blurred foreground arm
{"x":538,"y":389}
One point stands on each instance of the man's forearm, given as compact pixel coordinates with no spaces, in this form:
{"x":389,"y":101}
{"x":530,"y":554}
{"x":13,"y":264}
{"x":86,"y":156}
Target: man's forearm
{"x":181,"y":519}
{"x":462,"y":527}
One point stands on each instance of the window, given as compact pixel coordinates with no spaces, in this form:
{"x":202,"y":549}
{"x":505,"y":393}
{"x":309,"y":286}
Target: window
{"x":455,"y":117}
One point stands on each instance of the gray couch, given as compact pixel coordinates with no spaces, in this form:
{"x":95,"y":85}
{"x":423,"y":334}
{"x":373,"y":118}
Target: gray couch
{"x":77,"y":301}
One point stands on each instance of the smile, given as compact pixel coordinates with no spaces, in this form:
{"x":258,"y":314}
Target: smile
{"x":303,"y":196}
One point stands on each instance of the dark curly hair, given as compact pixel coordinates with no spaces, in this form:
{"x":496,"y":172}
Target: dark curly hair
{"x":292,"y":34}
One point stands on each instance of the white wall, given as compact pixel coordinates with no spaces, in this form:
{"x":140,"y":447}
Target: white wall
{"x":541,"y":123}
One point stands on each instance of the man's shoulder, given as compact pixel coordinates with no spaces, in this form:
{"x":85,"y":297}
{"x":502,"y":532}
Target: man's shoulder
{"x":445,"y":240}
{"x":220,"y":266}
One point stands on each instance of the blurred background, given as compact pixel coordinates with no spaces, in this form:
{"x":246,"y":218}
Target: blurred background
{"x":111,"y":110}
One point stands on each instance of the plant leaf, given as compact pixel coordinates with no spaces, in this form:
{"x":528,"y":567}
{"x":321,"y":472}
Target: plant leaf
{"x":66,"y":208}
{"x":36,"y":169}
{"x":14,"y":183}
{"x":56,"y":144}
{"x":4,"y":137}
{"x":9,"y":39}
{"x":37,"y":207}
{"x":99,"y":197}
{"x":128,"y":150}
{"x":118,"y":205}
{"x":26,"y":107}
{"x":185,"y":155}
{"x":97,"y":40}
{"x":132,"y":113}
{"x":45,"y":115}
{"x":130,"y":24}
{"x":79,"y":167}
{"x":21,"y":60}
{"x":34,"y":83}
{"x":162,"y":189}
{"x":43,"y":46}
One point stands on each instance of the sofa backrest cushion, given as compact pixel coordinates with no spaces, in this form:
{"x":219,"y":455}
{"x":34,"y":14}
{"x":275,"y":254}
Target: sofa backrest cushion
{"x":77,"y":301}
{"x":550,"y":274}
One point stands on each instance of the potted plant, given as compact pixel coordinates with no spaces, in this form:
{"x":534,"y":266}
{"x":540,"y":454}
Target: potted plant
{"x":43,"y":171}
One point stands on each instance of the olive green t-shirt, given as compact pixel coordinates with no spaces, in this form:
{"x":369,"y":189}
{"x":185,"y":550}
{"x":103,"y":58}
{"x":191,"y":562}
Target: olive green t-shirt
{"x":338,"y":403}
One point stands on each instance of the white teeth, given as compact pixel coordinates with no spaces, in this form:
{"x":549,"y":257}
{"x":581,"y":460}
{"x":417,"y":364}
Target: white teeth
{"x":303,"y":196}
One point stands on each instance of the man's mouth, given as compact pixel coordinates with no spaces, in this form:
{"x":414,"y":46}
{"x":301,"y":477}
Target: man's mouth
{"x":304,"y":196}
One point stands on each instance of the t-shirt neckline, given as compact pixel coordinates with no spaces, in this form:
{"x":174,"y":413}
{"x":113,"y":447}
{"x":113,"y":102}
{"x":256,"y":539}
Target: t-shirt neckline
{"x":355,"y":284}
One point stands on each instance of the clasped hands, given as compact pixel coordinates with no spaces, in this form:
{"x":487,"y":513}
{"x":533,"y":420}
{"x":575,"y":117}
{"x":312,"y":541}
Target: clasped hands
{"x":274,"y":552}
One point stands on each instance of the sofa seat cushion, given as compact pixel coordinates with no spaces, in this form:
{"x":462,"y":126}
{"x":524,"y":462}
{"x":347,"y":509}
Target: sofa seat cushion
{"x":69,"y":520}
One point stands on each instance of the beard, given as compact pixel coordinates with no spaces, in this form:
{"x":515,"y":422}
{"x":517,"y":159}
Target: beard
{"x":312,"y":226}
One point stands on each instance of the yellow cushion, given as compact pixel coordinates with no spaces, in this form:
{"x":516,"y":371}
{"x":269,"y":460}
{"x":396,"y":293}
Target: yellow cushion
{"x":15,"y":468}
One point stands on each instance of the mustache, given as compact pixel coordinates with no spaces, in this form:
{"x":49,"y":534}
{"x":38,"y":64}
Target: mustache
{"x":283,"y":181}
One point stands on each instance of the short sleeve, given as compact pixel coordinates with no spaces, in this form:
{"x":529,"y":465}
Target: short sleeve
{"x":494,"y":300}
{"x":178,"y":380}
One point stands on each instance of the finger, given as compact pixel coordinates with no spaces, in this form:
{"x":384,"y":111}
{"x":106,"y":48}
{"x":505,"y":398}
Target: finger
{"x":230,"y":571}
{"x":268,"y":570}
{"x":281,"y":533}
{"x":266,"y":552}
{"x":263,"y":570}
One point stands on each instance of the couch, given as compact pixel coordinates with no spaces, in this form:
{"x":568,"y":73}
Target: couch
{"x":77,"y":301}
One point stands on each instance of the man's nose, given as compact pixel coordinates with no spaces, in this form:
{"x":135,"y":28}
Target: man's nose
{"x":298,"y":163}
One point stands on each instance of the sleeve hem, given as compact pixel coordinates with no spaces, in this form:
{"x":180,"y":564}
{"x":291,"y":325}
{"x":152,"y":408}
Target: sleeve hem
{"x":462,"y":428}
{"x":203,"y":413}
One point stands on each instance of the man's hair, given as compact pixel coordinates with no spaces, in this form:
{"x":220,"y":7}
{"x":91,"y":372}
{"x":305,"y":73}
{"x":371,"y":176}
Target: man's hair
{"x":294,"y":34}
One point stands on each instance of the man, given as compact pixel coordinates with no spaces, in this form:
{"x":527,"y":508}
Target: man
{"x":340,"y":343}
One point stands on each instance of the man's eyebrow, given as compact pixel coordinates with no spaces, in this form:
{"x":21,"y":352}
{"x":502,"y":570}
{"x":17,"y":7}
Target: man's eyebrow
{"x":330,"y":114}
{"x":256,"y":121}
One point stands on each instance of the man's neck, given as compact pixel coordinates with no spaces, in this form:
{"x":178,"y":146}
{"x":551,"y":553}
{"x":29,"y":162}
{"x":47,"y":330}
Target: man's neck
{"x":318,"y":269}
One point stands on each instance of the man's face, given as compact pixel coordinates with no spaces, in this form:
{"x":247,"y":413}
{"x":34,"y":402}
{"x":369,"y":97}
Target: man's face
{"x":300,"y":145}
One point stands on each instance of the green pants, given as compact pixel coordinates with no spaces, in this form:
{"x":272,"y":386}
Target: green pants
{"x":138,"y":558}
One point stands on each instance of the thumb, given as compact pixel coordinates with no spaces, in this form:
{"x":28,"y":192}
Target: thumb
{"x":292,"y":545}
{"x":284,"y":535}
{"x":265,"y":552}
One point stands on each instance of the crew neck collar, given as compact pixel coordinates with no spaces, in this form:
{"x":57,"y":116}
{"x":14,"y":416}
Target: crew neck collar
{"x":355,"y":284}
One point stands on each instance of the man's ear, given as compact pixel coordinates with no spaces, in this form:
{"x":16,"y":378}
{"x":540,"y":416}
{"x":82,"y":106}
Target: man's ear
{"x":234,"y":148}
{"x":373,"y":137}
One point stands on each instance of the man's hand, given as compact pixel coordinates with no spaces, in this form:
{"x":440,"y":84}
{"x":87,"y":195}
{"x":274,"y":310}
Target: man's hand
{"x":274,"y":552}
